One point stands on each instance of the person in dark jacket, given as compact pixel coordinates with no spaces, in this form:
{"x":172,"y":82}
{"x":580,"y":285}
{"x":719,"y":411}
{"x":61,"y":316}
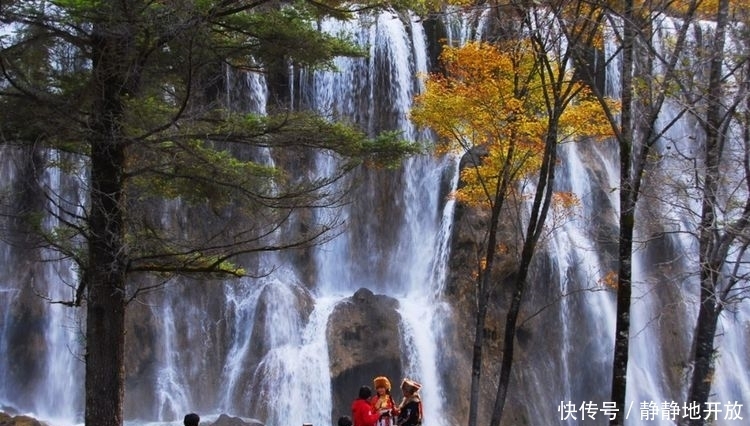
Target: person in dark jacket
{"x":410,"y":409}
{"x":362,"y":412}
{"x":192,"y":419}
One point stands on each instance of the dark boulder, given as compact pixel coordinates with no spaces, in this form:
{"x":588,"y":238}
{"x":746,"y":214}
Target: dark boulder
{"x":8,"y":420}
{"x":225,"y":420}
{"x":363,"y":343}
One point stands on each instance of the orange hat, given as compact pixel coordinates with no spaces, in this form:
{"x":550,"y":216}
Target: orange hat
{"x":410,"y":386}
{"x":382,"y":382}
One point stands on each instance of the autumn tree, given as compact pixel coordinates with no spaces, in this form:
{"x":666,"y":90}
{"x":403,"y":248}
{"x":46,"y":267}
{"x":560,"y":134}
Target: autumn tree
{"x":517,"y":108}
{"x":126,"y":86}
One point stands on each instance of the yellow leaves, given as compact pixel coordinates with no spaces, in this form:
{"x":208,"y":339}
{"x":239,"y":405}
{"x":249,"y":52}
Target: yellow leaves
{"x":482,"y":266}
{"x":477,"y":90}
{"x":494,"y":97}
{"x":585,"y":117}
{"x":476,"y":101}
{"x":478,"y":64}
{"x":610,"y":280}
{"x":565,"y":206}
{"x":708,"y":9}
{"x":483,"y":100}
{"x":583,"y":21}
{"x":566,"y":200}
{"x":501,"y":249}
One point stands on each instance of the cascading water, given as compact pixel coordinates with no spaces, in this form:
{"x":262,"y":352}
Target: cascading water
{"x":259,"y":347}
{"x":58,"y":350}
{"x":665,"y":277}
{"x":59,"y":394}
{"x":411,"y":267}
{"x":578,"y":267}
{"x":267,"y":338}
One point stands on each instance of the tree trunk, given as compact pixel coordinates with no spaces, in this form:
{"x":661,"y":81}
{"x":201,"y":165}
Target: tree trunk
{"x":483,"y":292}
{"x":476,"y":360}
{"x":105,"y":280}
{"x":483,"y":300}
{"x":703,"y":368}
{"x":511,"y":321}
{"x":105,"y":373}
{"x":538,"y":216}
{"x":712,"y":245}
{"x":104,"y":276}
{"x":627,"y":221}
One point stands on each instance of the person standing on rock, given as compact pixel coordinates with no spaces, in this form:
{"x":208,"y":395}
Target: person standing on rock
{"x":362,"y":412}
{"x":382,"y":402}
{"x":410,"y":409}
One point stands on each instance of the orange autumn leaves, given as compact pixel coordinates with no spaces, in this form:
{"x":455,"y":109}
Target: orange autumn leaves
{"x":495,"y":98}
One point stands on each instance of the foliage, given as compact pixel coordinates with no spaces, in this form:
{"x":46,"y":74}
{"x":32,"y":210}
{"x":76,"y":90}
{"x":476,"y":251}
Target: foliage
{"x":493,"y":98}
{"x":177,"y":181}
{"x":181,"y":142}
{"x":707,"y":8}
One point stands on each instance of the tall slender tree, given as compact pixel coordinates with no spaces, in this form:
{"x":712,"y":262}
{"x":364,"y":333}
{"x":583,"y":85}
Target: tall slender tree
{"x":724,"y":204}
{"x":518,"y":108}
{"x":569,"y":112}
{"x":646,"y":75}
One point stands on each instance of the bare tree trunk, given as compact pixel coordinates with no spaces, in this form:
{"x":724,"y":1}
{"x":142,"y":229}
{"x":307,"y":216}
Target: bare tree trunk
{"x":476,"y":360}
{"x":708,"y":317}
{"x":627,"y":219}
{"x":711,"y":251}
{"x":633,"y":162}
{"x":483,"y":298}
{"x":537,"y":218}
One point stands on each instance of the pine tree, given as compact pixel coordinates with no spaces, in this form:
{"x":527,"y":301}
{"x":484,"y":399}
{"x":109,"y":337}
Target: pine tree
{"x":129,"y":88}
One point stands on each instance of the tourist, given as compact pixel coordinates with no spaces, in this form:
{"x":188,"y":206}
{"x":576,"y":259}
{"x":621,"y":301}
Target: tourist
{"x":382,"y":402}
{"x":410,"y":409}
{"x":192,"y":419}
{"x":362,"y":412}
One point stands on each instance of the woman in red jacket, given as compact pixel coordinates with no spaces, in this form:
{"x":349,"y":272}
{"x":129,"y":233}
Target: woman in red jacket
{"x":362,"y":412}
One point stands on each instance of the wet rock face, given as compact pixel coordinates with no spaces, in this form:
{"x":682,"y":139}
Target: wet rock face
{"x":203,"y":341}
{"x":8,"y":420}
{"x":226,"y":420}
{"x":363,"y":343}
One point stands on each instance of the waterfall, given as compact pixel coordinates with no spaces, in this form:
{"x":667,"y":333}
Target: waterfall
{"x":412,"y":266}
{"x":665,"y":275}
{"x":293,"y":377}
{"x":585,"y":305}
{"x":273,"y":353}
{"x":52,"y":392}
{"x":59,"y":394}
{"x":258,"y":347}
